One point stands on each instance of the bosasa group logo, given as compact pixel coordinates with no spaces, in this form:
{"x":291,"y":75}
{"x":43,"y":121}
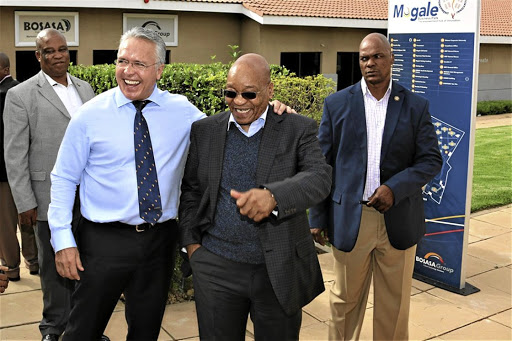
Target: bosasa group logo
{"x":62,"y":25}
{"x":435,"y":262}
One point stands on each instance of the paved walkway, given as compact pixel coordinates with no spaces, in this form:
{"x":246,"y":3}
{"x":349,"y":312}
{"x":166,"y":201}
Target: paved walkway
{"x":436,"y":314}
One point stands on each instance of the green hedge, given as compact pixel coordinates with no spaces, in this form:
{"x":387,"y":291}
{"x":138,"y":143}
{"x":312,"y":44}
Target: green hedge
{"x":493,"y":107}
{"x":202,"y":85}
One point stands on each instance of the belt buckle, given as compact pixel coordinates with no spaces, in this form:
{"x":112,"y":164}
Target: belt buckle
{"x":139,"y":230}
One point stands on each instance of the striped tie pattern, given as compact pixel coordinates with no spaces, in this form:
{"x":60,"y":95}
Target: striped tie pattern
{"x":150,"y":207}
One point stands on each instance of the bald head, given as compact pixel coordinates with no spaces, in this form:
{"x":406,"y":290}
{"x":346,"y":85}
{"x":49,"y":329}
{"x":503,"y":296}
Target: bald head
{"x":4,"y":60}
{"x":376,"y":39}
{"x":4,"y":66}
{"x":45,"y":35}
{"x":253,"y":63}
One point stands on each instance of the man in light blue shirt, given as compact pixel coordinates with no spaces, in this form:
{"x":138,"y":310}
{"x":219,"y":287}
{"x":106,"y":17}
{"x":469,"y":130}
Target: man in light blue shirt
{"x":127,"y":237}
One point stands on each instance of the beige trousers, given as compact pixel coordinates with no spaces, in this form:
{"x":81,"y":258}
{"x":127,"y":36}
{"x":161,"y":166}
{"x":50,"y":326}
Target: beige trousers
{"x":9,"y":246}
{"x":392,"y":279}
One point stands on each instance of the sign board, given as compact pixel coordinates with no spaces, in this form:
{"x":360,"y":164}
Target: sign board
{"x":435,"y":43}
{"x":165,"y":25}
{"x":29,"y":24}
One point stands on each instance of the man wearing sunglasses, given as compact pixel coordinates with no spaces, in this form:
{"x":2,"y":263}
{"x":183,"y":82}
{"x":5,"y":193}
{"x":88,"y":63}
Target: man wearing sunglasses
{"x":249,"y":178}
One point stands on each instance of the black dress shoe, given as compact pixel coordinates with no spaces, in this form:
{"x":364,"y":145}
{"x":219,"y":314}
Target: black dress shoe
{"x":14,"y":279}
{"x":50,"y":337}
{"x":34,"y":272}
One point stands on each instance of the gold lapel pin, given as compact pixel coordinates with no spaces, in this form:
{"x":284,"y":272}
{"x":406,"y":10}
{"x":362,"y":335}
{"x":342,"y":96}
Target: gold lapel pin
{"x":396,"y":98}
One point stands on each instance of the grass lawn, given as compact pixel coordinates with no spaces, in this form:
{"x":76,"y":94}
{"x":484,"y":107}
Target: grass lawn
{"x":492,"y":170}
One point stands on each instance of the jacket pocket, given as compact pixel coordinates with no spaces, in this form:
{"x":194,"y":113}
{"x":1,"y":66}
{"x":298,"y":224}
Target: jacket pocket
{"x":38,"y":176}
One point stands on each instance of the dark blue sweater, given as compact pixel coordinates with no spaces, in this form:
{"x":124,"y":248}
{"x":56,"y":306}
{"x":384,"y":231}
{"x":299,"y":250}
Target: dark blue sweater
{"x":234,"y":236}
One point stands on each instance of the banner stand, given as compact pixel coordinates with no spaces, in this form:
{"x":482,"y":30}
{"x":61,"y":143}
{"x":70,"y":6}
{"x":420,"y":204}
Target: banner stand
{"x":466,"y":291}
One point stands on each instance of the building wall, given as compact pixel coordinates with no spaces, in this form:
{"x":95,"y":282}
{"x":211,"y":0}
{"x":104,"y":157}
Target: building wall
{"x":200,"y":35}
{"x":495,"y":72}
{"x":203,"y":35}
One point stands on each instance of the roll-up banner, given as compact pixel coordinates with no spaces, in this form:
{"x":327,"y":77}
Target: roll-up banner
{"x":436,"y":46}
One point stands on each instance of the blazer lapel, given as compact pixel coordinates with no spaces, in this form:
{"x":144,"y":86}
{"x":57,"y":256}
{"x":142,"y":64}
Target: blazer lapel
{"x":81,"y":92}
{"x":358,"y":118}
{"x":396,"y":99}
{"x":49,"y":93}
{"x":217,"y":142}
{"x":269,"y":140}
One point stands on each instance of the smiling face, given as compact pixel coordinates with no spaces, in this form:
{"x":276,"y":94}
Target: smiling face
{"x":250,"y":73}
{"x":375,"y":60}
{"x":53,"y":55}
{"x":138,"y":84}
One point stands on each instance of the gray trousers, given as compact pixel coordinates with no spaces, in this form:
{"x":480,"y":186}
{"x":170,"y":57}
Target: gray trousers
{"x":9,"y":245}
{"x":56,"y":289}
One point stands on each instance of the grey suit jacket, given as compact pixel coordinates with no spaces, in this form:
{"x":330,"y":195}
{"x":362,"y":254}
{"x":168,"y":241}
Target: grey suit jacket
{"x":35,"y":120}
{"x":291,"y":165}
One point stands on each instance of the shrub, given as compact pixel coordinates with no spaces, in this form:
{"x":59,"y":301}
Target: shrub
{"x":493,"y":107}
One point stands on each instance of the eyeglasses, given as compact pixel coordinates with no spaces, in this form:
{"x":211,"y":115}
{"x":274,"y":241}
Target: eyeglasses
{"x":246,"y":94}
{"x":136,"y":65}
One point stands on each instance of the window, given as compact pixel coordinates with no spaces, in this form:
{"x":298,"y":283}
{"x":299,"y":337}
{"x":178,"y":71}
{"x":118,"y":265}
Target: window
{"x":347,"y":68}
{"x":302,"y":63}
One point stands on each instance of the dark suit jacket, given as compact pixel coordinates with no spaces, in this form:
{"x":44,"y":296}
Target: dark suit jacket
{"x":410,"y":158}
{"x":292,"y":167}
{"x":4,"y":86}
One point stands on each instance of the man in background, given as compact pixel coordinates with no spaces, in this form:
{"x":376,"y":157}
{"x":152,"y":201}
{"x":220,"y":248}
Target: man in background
{"x":381,"y":143}
{"x":36,"y":115}
{"x":9,"y":245}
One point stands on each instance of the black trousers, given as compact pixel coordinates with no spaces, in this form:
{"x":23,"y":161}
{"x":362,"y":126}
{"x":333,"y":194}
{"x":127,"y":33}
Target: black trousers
{"x":226,"y":292}
{"x":118,"y":259}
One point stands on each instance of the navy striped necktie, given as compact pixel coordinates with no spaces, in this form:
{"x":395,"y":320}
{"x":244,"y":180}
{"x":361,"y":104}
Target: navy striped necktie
{"x":150,"y":206}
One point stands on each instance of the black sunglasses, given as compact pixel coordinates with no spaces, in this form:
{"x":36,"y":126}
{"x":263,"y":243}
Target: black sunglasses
{"x":246,"y":94}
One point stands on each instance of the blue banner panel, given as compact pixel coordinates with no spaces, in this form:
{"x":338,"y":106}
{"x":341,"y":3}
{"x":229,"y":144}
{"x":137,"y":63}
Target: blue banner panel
{"x":439,"y":67}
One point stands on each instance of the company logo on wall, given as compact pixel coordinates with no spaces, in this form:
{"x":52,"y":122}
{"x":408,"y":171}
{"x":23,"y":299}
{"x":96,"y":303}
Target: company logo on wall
{"x":452,"y":7}
{"x":166,"y":26}
{"x":435,"y":262}
{"x":29,"y":24}
{"x":63,"y":25}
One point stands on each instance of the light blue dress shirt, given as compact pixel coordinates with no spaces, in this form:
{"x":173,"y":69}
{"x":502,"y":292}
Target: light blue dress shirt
{"x":97,"y":152}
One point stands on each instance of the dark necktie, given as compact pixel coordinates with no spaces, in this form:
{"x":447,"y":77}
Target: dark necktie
{"x":150,"y":207}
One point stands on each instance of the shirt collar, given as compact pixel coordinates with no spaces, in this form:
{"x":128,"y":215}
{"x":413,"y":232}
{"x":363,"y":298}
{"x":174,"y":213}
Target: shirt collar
{"x":263,"y":118}
{"x":53,"y":82}
{"x":155,"y":97}
{"x":1,"y":81}
{"x":364,"y":88}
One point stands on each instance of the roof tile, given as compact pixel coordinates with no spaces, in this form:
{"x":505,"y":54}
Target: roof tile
{"x":496,"y":18}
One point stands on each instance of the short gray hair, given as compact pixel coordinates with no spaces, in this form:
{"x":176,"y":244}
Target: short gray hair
{"x":149,"y":35}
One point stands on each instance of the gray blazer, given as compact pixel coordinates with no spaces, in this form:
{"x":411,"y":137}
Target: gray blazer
{"x":292,"y":167}
{"x":35,"y":120}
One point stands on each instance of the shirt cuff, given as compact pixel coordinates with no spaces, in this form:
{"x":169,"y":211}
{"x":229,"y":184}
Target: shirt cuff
{"x":62,"y":239}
